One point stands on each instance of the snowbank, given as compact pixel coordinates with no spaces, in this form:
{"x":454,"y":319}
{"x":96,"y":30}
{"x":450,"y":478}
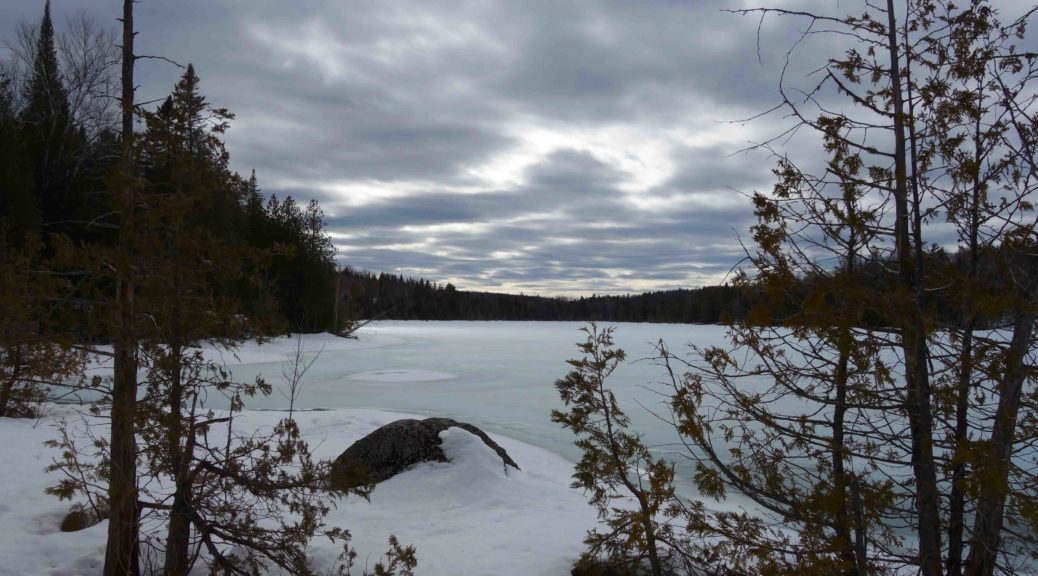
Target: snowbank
{"x":469,"y":516}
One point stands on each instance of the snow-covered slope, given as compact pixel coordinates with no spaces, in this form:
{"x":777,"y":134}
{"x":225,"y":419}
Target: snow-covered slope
{"x":469,"y":516}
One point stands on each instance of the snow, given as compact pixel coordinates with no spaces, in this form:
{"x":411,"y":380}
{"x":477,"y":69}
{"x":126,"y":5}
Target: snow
{"x":401,"y":376}
{"x":29,"y":519}
{"x":468,"y":516}
{"x":279,"y":349}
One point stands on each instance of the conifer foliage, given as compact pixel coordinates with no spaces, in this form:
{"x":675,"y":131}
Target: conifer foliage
{"x":177,"y":252}
{"x":49,"y":135}
{"x":616,"y":465}
{"x":874,"y":427}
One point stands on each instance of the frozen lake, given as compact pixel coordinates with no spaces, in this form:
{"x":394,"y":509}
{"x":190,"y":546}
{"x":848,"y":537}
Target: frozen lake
{"x":497,"y":375}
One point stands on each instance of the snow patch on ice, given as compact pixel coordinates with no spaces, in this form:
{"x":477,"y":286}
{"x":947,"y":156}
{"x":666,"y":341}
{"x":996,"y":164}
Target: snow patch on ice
{"x":283,"y":348}
{"x":401,"y":376}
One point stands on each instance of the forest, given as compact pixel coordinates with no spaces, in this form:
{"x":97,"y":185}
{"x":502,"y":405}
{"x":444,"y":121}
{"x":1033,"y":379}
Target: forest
{"x":366,"y":295}
{"x":124,"y":235}
{"x":387,"y":296}
{"x":60,"y":142}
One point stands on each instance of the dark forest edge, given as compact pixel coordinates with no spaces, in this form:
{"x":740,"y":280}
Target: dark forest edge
{"x":60,"y":147}
{"x":123,"y":223}
{"x":383,"y":296}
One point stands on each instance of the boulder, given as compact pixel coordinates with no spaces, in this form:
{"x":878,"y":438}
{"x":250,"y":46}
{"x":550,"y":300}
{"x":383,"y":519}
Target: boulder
{"x":396,"y":447}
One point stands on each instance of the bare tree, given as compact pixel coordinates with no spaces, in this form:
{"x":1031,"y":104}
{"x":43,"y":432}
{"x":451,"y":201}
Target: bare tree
{"x":88,"y":55}
{"x":293,"y":371}
{"x":122,"y":551}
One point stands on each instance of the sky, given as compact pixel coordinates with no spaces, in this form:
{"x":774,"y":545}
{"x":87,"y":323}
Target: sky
{"x":555,"y":147}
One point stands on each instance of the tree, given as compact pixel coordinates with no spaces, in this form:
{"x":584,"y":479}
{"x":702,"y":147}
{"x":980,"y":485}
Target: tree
{"x":615,"y":464}
{"x":64,"y":106}
{"x":19,"y":211}
{"x":50,"y":137}
{"x":248,"y":500}
{"x":185,"y":182}
{"x":866,"y":444}
{"x":32,"y":362}
{"x":37,"y":355}
{"x":241,"y":501}
{"x":302,"y":271}
{"x":241,"y":498}
{"x":122,"y":551}
{"x":860,"y":400}
{"x":174,"y":278}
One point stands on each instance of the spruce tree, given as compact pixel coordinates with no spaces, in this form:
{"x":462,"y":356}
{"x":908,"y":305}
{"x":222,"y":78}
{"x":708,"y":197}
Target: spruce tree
{"x":49,"y":134}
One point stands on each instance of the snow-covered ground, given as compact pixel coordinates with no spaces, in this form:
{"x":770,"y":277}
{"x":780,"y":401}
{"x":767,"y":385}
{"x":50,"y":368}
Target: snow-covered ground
{"x":469,"y":516}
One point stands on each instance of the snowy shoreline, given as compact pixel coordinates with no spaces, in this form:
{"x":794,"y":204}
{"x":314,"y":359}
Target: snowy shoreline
{"x":469,"y":516}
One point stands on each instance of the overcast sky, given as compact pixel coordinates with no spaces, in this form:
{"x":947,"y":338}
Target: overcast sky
{"x":537,"y":146}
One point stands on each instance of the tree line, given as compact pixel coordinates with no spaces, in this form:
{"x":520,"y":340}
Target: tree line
{"x":368,"y":295}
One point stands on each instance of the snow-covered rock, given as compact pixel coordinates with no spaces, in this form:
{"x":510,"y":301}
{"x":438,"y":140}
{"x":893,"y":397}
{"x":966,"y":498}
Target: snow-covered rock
{"x":399,"y":445}
{"x":471,"y":515}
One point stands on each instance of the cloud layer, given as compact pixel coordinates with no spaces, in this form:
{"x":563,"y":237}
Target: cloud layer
{"x":544,"y":146}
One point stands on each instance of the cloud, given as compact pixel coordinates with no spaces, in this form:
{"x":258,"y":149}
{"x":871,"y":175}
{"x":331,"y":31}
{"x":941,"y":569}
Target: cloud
{"x":547,"y":146}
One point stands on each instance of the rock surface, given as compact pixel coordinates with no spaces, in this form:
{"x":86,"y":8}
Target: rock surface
{"x":396,"y":447}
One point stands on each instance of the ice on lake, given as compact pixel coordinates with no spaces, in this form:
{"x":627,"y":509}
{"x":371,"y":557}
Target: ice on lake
{"x":401,"y":376}
{"x":497,"y":375}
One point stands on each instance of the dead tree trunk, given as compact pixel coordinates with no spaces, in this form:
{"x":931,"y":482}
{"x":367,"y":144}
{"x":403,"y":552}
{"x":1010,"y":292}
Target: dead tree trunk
{"x":121,"y":553}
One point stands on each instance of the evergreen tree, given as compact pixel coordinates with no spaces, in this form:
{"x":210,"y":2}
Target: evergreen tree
{"x":233,"y":497}
{"x":859,"y":403}
{"x":19,"y":212}
{"x":616,"y":465}
{"x":302,"y":269}
{"x":50,"y":136}
{"x":33,"y":361}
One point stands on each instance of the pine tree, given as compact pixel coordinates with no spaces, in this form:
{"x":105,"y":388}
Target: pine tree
{"x":232,"y":495}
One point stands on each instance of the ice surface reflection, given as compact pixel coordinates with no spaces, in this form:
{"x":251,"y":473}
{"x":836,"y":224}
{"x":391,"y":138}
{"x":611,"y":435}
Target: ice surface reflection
{"x":498,"y":375}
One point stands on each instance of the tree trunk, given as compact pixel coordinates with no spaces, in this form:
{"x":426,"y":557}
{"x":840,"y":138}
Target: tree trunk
{"x":844,"y":543}
{"x":121,"y":553}
{"x":180,"y":446}
{"x":913,"y":334}
{"x":178,"y":538}
{"x":987,"y":525}
{"x":957,"y":500}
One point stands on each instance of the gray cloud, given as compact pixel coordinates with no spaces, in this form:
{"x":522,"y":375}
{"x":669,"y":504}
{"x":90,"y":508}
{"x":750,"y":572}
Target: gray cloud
{"x":585,"y":232}
{"x":544,"y":146}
